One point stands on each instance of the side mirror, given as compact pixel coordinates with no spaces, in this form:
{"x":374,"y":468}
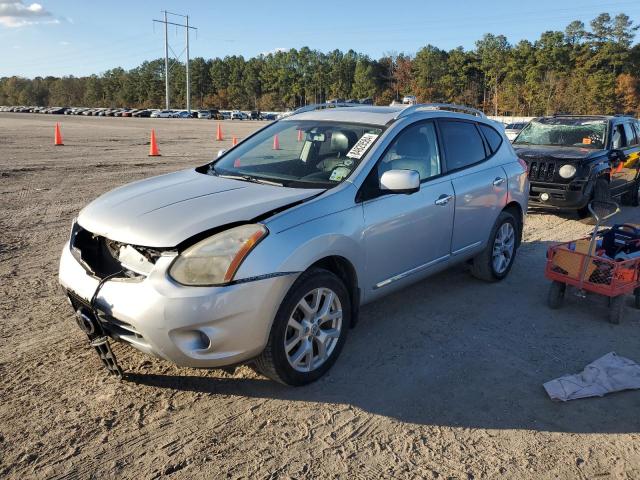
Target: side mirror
{"x":400,"y":181}
{"x":221,"y":152}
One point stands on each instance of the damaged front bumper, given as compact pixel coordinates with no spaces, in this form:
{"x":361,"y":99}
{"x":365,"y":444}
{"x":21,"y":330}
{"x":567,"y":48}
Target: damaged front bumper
{"x":189,"y":326}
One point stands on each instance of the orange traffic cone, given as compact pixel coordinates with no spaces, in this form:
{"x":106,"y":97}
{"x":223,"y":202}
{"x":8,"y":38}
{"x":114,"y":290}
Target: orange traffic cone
{"x":276,"y":142}
{"x":219,"y":137}
{"x":234,"y":141}
{"x":57,"y":136}
{"x":299,"y":135}
{"x":153,"y":147}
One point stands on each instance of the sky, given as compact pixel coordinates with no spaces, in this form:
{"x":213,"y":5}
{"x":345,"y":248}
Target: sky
{"x":74,"y":37}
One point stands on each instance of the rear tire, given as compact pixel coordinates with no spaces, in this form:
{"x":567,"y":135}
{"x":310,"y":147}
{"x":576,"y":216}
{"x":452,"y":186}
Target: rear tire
{"x":637,"y":295}
{"x":616,"y":309}
{"x":275,"y":361}
{"x":484,"y":267}
{"x":633,"y":197}
{"x":555,"y":297}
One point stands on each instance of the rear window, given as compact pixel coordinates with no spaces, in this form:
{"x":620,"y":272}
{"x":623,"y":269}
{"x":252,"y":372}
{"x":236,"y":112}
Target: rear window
{"x":462,"y":143}
{"x":494,"y":139}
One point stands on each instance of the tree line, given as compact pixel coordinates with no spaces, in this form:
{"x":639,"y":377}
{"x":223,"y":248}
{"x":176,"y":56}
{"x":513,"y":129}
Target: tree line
{"x":581,"y":70}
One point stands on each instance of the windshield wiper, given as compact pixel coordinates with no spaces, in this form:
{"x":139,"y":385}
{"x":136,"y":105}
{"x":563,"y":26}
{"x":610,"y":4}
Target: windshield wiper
{"x":249,"y":178}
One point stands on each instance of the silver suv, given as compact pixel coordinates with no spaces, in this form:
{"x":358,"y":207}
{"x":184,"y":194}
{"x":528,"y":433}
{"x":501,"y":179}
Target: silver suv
{"x":266,"y":254}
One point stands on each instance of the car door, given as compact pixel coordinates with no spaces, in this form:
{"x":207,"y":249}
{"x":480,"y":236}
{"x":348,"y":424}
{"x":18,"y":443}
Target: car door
{"x":480,"y":184}
{"x":624,"y":170}
{"x":405,"y":235}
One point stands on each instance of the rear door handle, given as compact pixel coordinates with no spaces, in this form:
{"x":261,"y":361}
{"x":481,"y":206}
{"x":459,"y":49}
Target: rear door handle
{"x":443,"y":200}
{"x":498,"y":181}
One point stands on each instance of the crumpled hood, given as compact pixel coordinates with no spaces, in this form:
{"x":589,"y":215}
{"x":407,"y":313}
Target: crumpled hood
{"x":166,"y":210}
{"x":543,"y":152}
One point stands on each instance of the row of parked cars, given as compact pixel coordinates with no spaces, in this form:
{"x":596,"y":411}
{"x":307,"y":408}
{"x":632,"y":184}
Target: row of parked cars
{"x":214,"y":114}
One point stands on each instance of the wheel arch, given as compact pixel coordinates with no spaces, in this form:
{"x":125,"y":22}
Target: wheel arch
{"x":345,"y":271}
{"x":515,"y":209}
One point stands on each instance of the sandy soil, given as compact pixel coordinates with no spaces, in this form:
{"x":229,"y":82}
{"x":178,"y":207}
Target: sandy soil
{"x":442,"y":380}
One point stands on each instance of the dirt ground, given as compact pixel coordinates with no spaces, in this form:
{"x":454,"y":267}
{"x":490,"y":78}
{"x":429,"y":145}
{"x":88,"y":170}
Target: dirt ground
{"x":442,"y":380}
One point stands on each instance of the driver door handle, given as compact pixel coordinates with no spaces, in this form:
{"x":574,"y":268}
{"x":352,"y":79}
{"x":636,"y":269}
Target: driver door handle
{"x":498,"y":181}
{"x":443,"y":200}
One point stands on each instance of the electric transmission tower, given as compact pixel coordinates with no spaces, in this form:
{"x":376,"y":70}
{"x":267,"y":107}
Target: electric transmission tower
{"x":167,"y":47}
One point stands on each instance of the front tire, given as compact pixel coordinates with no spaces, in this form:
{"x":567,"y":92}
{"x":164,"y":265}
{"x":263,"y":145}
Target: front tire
{"x":616,"y":309}
{"x":496,"y":260}
{"x":309,"y":330}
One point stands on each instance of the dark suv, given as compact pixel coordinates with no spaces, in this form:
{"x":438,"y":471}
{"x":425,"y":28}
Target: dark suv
{"x":573,"y":159}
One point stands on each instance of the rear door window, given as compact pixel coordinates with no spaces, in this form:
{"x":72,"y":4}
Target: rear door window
{"x":462,"y":143}
{"x":494,"y":139}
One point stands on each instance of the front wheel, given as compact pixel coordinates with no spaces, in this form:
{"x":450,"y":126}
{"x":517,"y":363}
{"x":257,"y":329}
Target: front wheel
{"x":308,"y":331}
{"x":496,"y":260}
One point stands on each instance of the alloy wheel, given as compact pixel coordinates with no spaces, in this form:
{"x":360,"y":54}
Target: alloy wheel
{"x":503,"y":247}
{"x":313,"y":330}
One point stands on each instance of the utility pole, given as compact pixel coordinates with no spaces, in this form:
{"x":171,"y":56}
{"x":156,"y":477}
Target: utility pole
{"x":167,"y":47}
{"x":187,"y":63}
{"x":166,"y":62}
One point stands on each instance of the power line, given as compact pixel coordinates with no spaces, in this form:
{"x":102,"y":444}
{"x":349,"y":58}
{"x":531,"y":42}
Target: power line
{"x":186,"y":27}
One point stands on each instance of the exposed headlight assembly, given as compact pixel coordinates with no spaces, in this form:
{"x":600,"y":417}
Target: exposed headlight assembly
{"x":215,"y":260}
{"x":567,"y":171}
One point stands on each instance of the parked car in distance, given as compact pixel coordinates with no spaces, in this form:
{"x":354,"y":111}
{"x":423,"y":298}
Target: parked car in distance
{"x":162,"y":114}
{"x":513,"y":129}
{"x":573,"y":159}
{"x":366,"y":101}
{"x":212,"y":114}
{"x":409,"y":99}
{"x":268,"y":116}
{"x":181,"y":114}
{"x":271,"y":253}
{"x":254,"y":115}
{"x":238,"y":115}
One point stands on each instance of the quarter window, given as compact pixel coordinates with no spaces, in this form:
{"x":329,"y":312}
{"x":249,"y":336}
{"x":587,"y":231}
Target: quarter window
{"x":630,"y":135}
{"x":493,"y":138}
{"x":415,"y":148}
{"x":462,"y":143}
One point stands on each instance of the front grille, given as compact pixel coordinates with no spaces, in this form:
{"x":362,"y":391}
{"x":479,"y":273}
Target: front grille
{"x":102,"y":256}
{"x":542,"y":171}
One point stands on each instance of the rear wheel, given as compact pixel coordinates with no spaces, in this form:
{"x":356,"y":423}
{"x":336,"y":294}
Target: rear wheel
{"x":308,"y":331}
{"x":496,"y":260}
{"x":632,"y":197}
{"x":637,"y":295}
{"x":555,"y":297}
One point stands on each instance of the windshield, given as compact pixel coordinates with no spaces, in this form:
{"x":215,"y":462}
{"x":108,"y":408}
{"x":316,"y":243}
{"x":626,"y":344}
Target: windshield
{"x":303,"y":154}
{"x":564,"y":132}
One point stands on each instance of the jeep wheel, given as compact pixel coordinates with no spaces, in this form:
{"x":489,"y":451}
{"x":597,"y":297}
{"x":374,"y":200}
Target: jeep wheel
{"x":555,"y":297}
{"x":495,"y":261}
{"x":308,"y":331}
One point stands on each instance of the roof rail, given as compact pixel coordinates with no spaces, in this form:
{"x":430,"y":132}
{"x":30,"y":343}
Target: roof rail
{"x":440,"y":106}
{"x":320,"y":106}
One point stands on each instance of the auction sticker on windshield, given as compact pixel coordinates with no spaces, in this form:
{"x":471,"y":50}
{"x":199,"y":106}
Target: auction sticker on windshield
{"x":362,"y":145}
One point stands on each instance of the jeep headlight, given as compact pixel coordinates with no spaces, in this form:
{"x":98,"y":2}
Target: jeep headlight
{"x":215,"y":260}
{"x":567,"y":171}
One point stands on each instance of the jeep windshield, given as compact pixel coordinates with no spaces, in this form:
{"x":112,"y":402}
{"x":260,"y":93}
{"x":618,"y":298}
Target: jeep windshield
{"x":564,"y":132}
{"x":302,"y":154}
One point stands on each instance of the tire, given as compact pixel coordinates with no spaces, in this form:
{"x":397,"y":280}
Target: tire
{"x":274,"y":362}
{"x":483,"y":266}
{"x":637,"y":298}
{"x":601,"y":193}
{"x":633,"y":196}
{"x":616,"y":309}
{"x":555,"y":297}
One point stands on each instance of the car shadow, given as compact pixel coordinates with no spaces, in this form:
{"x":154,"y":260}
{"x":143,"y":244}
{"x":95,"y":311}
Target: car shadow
{"x":454,"y":351}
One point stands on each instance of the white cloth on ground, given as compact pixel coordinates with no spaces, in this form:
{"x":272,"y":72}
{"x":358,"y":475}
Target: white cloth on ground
{"x":610,"y":373}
